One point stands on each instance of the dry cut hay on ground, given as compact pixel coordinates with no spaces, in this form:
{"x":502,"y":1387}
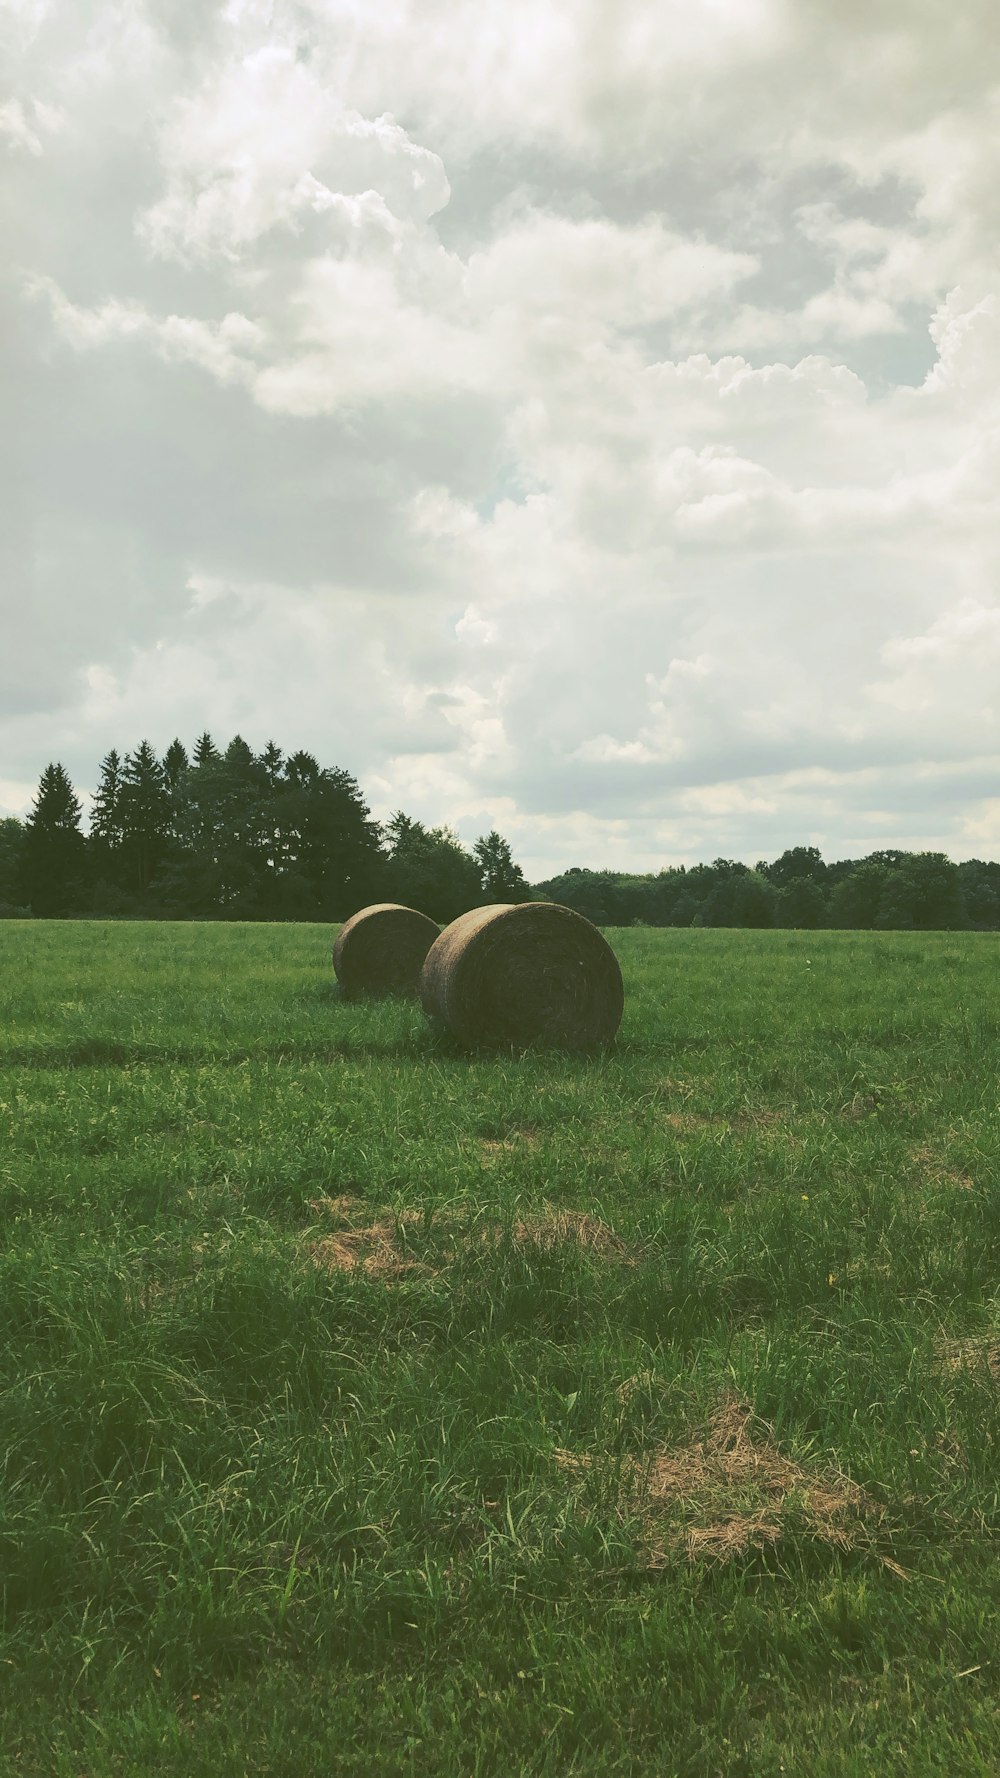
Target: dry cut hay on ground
{"x":570,"y":1228}
{"x":381,"y":949}
{"x":515,"y":1141}
{"x":730,"y":1492}
{"x":383,"y":1248}
{"x":377,"y":1250}
{"x":935,"y":1169}
{"x":534,"y":973}
{"x":689,"y":1123}
{"x":978,"y":1354}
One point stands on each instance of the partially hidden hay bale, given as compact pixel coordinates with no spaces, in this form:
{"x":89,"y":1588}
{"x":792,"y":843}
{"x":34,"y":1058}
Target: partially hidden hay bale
{"x":381,"y":949}
{"x":533,"y":973}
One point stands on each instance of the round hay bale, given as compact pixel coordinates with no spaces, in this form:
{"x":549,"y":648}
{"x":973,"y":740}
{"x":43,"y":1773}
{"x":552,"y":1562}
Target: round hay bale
{"x":532,"y":973}
{"x":381,"y":949}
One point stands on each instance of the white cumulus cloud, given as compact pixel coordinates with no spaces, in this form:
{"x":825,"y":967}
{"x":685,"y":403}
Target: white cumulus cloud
{"x":577,"y":417}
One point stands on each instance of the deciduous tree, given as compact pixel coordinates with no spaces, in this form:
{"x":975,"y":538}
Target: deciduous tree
{"x":429,"y":869}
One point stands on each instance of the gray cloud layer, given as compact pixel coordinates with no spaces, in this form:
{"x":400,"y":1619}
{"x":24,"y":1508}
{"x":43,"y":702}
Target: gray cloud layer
{"x":574,"y":417}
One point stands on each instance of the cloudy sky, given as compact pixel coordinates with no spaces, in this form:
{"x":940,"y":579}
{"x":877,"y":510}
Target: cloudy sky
{"x":575,"y":416}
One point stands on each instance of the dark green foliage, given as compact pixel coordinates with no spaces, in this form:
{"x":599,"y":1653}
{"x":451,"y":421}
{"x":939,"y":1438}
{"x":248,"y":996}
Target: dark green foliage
{"x":430,"y":870}
{"x":900,"y":891}
{"x":327,"y":839}
{"x":601,"y":896}
{"x":887,"y":891}
{"x":924,"y":892}
{"x":800,"y":863}
{"x":175,"y":764}
{"x":219,"y":835}
{"x":501,"y":878}
{"x":980,"y":888}
{"x":739,"y":897}
{"x":12,"y":841}
{"x":234,"y":835}
{"x":111,"y":892}
{"x":856,"y":899}
{"x":205,"y":750}
{"x":271,"y":761}
{"x":228,"y":835}
{"x":144,"y":815}
{"x":53,"y":865}
{"x":800,"y":904}
{"x":106,"y":831}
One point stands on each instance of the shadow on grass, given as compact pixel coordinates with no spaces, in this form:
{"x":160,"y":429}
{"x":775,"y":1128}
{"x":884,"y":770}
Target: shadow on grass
{"x":98,"y":1052}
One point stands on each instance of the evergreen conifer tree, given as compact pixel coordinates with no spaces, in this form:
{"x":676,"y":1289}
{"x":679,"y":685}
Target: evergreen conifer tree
{"x":190,"y":881}
{"x":105,"y":844}
{"x":301,"y":767}
{"x":12,"y":839}
{"x":272,"y":760}
{"x":222,"y":832}
{"x":105,"y":810}
{"x":502,"y":879}
{"x":53,"y":874}
{"x":145,"y":815}
{"x":205,"y":751}
{"x":239,"y":756}
{"x":243,"y":838}
{"x":175,"y":764}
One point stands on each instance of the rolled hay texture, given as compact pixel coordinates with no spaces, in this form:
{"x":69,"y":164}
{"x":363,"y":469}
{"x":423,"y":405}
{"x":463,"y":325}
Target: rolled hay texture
{"x":532,"y":973}
{"x":381,"y":949}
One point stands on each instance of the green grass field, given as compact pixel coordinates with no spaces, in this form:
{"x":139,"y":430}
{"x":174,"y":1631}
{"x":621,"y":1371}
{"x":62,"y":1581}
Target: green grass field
{"x":370,"y":1408}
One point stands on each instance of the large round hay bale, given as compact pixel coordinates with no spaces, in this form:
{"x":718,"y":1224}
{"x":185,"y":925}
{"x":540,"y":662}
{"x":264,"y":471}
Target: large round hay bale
{"x":532,"y":973}
{"x":381,"y":949}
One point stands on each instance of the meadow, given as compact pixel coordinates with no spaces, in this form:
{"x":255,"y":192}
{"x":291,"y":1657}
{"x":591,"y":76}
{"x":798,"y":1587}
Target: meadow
{"x":373,"y":1408}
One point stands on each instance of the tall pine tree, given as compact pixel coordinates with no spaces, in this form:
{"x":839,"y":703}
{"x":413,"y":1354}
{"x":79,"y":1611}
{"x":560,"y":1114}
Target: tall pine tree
{"x":205,"y":751}
{"x":175,"y":764}
{"x":502,"y":879}
{"x":271,"y":761}
{"x":106,"y":832}
{"x":12,"y":838}
{"x":222,"y":828}
{"x":105,"y":810}
{"x":146,"y":814}
{"x":53,"y":873}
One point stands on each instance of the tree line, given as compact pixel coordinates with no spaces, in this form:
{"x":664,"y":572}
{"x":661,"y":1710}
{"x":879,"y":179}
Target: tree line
{"x":230,"y":834}
{"x":887,"y":891}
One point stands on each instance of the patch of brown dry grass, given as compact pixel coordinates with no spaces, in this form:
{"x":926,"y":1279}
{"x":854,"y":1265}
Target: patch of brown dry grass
{"x":935,"y":1169}
{"x":376,"y":1250}
{"x":379,"y":1248}
{"x":731,"y":1491}
{"x":513,"y":1141}
{"x":982,"y":1352}
{"x":689,"y":1123}
{"x":569,"y":1228}
{"x":340,"y":1208}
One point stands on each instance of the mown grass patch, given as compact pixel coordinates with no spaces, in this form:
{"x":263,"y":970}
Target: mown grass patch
{"x":371,"y":1407}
